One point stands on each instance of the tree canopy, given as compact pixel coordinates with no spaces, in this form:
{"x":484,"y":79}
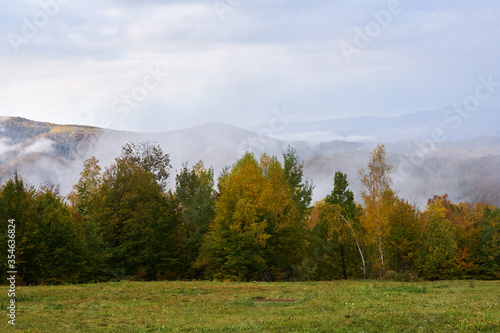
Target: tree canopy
{"x":252,"y":222}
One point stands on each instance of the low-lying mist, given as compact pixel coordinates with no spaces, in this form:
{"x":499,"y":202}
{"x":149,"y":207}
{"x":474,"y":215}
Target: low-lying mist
{"x":466,"y":170}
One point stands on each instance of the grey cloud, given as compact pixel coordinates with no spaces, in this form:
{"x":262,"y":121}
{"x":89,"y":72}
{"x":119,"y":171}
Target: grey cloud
{"x":265,"y":54}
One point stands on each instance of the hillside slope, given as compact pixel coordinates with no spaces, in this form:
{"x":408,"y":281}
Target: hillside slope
{"x":44,"y":152}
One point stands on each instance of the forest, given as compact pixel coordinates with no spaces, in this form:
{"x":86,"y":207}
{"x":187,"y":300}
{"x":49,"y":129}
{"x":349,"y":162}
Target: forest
{"x":255,"y":221}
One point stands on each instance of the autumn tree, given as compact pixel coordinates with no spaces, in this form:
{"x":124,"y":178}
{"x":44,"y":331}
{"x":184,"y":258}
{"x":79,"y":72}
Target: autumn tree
{"x":257,"y":232}
{"x":15,"y":202}
{"x":150,"y":157}
{"x":235,"y":244}
{"x":138,"y":231}
{"x":378,"y":197}
{"x":489,"y":244}
{"x":58,"y":254}
{"x":83,"y":199}
{"x":436,"y":258}
{"x":49,"y":244}
{"x":196,"y":195}
{"x":466,"y":219}
{"x":287,"y":220}
{"x":83,"y":192}
{"x":132,"y":221}
{"x":335,"y":236}
{"x":404,"y":239}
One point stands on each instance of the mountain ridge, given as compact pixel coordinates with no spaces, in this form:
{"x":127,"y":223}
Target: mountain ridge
{"x":45,"y":152}
{"x":417,"y":125}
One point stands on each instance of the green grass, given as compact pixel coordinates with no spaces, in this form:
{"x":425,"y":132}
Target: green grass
{"x":338,"y":306}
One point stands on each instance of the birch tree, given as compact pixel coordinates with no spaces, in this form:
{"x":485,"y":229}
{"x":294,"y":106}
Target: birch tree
{"x":377,"y":195}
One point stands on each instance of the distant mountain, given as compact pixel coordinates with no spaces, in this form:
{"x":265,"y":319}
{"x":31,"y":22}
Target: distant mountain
{"x":456,"y":125}
{"x":25,"y":136}
{"x":465,"y":179}
{"x":467,"y":170}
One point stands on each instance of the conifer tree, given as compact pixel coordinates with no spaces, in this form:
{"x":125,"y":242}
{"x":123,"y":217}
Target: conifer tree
{"x":335,"y":233}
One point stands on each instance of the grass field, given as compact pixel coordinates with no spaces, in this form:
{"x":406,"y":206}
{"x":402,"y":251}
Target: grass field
{"x":338,"y":306}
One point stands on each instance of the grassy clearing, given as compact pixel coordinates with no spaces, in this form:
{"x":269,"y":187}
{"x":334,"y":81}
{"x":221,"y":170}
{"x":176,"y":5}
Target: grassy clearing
{"x":338,"y":306}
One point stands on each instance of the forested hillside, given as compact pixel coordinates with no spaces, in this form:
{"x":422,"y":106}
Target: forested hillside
{"x":69,"y":140}
{"x":45,"y":153}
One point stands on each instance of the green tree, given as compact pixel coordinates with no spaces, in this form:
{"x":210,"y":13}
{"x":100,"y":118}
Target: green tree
{"x":132,"y":207}
{"x":132,"y":226}
{"x":257,"y":232}
{"x":338,"y":218}
{"x":489,"y":244}
{"x":294,"y":176}
{"x":14,"y":204}
{"x":287,"y":211}
{"x":404,"y":240}
{"x":54,"y":250}
{"x":149,"y":156}
{"x":195,"y":192}
{"x":436,"y":258}
{"x":49,"y":244}
{"x":83,"y":192}
{"x":164,"y":255}
{"x":84,"y":206}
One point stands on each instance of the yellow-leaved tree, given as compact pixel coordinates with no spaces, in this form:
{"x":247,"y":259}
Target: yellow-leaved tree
{"x":436,"y":259}
{"x":378,"y":198}
{"x":257,"y":232}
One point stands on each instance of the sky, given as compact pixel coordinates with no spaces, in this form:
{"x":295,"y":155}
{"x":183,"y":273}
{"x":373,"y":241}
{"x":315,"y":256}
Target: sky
{"x":156,"y":66}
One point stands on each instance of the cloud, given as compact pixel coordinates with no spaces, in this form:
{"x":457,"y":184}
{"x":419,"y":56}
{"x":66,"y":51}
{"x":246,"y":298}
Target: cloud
{"x":263,"y":55}
{"x":320,"y":136}
{"x":41,"y":145}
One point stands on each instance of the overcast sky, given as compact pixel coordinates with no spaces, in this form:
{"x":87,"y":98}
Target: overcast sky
{"x":161,"y":65}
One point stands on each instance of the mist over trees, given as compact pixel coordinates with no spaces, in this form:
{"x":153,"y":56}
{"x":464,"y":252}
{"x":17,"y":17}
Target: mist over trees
{"x":254,"y":222}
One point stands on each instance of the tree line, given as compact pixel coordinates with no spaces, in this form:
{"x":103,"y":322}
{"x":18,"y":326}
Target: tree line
{"x":254,"y":222}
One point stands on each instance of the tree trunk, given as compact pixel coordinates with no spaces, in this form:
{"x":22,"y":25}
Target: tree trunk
{"x":357,"y":244}
{"x":342,"y":255}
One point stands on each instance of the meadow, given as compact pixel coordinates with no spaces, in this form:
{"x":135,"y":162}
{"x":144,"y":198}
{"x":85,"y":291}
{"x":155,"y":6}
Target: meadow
{"x":337,"y":306}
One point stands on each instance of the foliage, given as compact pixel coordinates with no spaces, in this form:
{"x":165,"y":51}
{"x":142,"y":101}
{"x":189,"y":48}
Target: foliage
{"x":49,"y":245}
{"x":150,"y":157}
{"x":196,"y":195}
{"x":435,"y":261}
{"x":334,"y":247}
{"x":84,"y":191}
{"x":294,"y":173}
{"x":489,"y":244}
{"x":404,"y":240}
{"x":258,"y":232}
{"x":378,"y":197}
{"x":137,"y":226}
{"x":254,"y":223}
